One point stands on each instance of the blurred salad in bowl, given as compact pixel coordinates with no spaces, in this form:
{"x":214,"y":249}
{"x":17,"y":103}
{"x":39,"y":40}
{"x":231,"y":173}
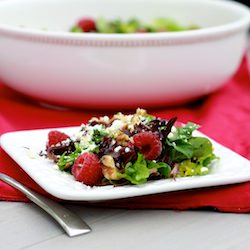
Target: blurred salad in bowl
{"x":132,"y":25}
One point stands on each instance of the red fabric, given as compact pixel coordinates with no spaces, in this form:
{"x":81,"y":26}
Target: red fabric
{"x":224,"y":116}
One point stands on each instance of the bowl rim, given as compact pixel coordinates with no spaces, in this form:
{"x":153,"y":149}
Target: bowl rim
{"x":134,"y":39}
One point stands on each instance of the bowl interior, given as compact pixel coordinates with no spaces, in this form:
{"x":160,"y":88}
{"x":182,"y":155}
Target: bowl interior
{"x":60,"y":15}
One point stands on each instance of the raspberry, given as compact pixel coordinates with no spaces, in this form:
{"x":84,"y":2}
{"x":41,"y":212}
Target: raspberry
{"x":87,"y":24}
{"x":149,"y":144}
{"x":88,"y":169}
{"x":55,"y":137}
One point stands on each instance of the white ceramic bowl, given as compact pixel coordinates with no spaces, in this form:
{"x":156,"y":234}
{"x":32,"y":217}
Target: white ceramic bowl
{"x":41,"y":59}
{"x":248,"y":56}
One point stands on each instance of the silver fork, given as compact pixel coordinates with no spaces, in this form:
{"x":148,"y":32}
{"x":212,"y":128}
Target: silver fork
{"x":70,"y":222}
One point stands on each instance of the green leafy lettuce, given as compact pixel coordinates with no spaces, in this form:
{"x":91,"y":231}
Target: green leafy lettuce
{"x":67,"y":160}
{"x":139,"y":171}
{"x":98,"y":135}
{"x":193,"y":154}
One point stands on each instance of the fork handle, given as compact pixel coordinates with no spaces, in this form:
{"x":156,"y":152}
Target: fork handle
{"x":70,"y":222}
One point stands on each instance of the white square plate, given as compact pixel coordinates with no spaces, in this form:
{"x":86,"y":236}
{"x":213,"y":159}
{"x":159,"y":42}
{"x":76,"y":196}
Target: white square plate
{"x":24,"y":147}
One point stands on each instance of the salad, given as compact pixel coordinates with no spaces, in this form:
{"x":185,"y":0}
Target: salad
{"x":130,"y":149}
{"x":133,"y":25}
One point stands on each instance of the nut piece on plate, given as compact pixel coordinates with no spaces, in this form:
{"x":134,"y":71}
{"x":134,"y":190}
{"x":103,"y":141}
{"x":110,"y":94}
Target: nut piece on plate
{"x":109,"y":169}
{"x":122,"y":138}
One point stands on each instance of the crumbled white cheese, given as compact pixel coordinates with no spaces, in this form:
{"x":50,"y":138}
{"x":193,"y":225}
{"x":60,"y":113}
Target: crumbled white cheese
{"x":204,"y":169}
{"x":173,"y":132}
{"x":117,"y":124}
{"x":98,"y":127}
{"x":173,"y":129}
{"x":77,"y":136}
{"x":65,"y":142}
{"x":31,"y":154}
{"x":113,"y":142}
{"x":105,"y":119}
{"x":170,"y":135}
{"x":117,"y":149}
{"x":127,"y":149}
{"x":86,"y":143}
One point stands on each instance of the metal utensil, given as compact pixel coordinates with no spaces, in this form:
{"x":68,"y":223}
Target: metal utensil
{"x":70,"y":222}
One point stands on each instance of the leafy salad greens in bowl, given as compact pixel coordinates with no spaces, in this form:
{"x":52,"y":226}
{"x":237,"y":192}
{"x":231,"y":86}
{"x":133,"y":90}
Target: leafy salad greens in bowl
{"x":130,"y":149}
{"x":131,"y":25}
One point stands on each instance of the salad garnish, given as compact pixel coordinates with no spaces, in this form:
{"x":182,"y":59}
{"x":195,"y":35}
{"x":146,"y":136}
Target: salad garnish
{"x":131,"y":149}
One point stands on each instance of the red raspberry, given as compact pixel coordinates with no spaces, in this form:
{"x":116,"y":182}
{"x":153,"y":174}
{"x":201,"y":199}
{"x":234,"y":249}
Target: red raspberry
{"x":55,"y":137}
{"x":88,"y":169}
{"x":87,"y":24}
{"x":149,"y":144}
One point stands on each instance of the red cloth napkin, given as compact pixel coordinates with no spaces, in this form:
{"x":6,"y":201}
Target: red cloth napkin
{"x":223,"y":115}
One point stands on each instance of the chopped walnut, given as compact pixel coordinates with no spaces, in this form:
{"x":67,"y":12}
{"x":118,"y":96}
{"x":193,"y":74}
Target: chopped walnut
{"x":141,"y":112}
{"x":122,"y":138}
{"x":93,"y":119}
{"x":135,"y":120}
{"x":109,"y":169}
{"x":104,"y":119}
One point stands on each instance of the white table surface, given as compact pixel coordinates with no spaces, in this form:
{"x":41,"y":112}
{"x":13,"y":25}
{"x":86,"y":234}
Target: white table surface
{"x":25,"y":226}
